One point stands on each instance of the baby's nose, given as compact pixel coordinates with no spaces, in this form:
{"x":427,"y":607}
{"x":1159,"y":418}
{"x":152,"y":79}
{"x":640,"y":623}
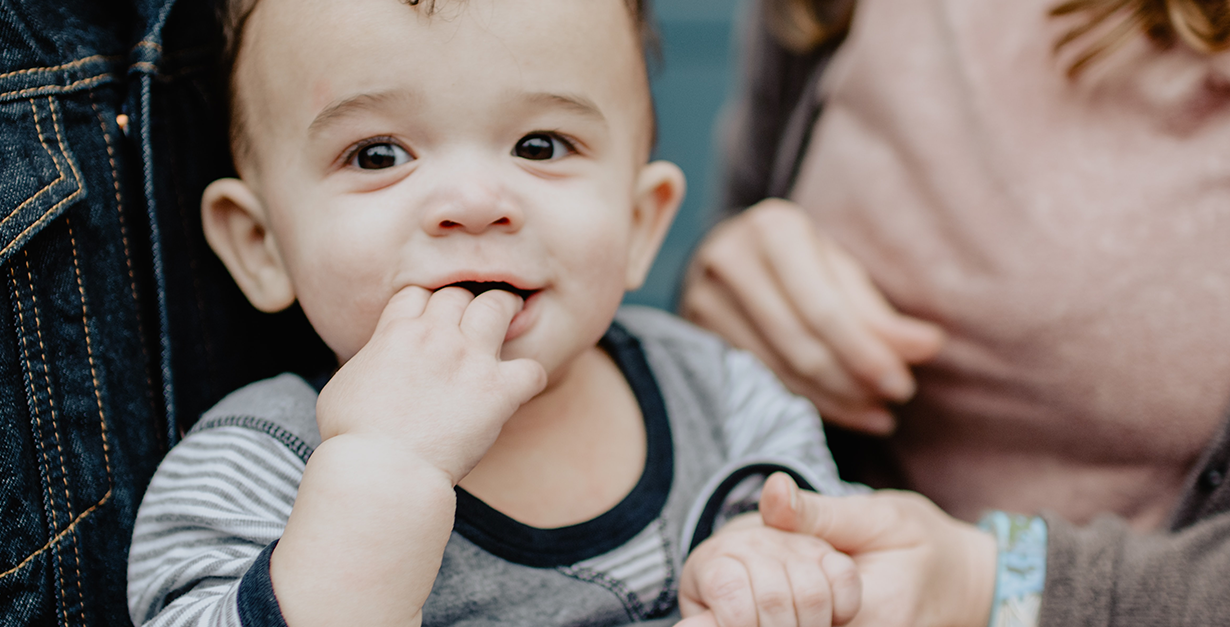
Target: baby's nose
{"x":473,"y":211}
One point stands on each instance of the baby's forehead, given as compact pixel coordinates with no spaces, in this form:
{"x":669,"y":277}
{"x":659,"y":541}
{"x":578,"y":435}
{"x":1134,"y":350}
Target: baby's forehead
{"x":318,"y":50}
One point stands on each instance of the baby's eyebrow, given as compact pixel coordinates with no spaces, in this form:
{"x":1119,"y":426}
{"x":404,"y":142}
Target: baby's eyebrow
{"x":573,"y":102}
{"x":351,"y":105}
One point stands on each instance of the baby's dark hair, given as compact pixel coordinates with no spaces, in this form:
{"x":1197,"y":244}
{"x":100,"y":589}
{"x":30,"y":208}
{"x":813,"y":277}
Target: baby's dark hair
{"x":233,"y":16}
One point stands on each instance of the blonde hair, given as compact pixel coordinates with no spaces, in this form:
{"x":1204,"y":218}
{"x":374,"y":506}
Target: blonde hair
{"x":1204,"y":25}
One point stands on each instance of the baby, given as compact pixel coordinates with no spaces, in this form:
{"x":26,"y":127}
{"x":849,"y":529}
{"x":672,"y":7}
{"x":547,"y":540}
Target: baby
{"x":458,"y":195}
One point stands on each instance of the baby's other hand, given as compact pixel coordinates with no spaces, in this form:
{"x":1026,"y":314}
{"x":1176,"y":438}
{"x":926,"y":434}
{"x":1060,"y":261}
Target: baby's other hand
{"x":750,"y":575}
{"x":430,"y":379}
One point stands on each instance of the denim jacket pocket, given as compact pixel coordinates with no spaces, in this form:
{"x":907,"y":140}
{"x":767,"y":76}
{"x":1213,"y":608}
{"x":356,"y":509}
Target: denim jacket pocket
{"x":41,"y":177}
{"x":58,"y":467}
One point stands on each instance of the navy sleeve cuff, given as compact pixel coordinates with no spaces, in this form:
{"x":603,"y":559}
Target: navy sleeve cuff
{"x":258,"y":607}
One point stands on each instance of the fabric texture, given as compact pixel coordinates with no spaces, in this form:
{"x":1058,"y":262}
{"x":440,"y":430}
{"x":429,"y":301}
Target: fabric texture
{"x":222,"y":497}
{"x":1104,"y":573}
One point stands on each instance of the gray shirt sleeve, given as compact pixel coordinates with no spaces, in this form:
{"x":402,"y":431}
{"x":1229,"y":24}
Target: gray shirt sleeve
{"x":217,"y":500}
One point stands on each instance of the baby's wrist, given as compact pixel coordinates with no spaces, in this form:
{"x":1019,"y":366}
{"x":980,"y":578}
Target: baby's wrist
{"x":378,"y":456}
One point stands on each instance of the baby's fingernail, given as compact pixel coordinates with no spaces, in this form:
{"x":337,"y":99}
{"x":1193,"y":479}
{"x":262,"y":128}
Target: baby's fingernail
{"x":897,"y":386}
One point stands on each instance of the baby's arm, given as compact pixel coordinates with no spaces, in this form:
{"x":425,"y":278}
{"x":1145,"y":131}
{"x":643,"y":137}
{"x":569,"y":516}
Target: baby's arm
{"x":748,"y":574}
{"x":402,"y":422}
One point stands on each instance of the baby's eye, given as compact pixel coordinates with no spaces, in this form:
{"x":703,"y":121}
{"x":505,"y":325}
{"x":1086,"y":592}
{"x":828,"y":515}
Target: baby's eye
{"x":541,"y":147}
{"x":379,"y":156}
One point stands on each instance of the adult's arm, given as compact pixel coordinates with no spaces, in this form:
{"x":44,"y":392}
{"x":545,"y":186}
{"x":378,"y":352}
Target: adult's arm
{"x":1106,"y":574}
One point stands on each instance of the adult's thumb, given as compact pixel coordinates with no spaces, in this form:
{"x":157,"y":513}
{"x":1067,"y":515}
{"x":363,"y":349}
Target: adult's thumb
{"x":851,"y":524}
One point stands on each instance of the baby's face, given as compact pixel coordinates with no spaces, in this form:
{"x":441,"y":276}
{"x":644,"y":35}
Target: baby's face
{"x":493,"y":141}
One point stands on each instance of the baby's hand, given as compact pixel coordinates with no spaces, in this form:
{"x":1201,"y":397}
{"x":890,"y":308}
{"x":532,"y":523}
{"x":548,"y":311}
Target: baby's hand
{"x":750,"y":575}
{"x":430,"y":379}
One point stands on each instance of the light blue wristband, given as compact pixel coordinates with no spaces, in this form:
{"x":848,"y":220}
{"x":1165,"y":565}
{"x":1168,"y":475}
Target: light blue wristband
{"x":1020,"y":568}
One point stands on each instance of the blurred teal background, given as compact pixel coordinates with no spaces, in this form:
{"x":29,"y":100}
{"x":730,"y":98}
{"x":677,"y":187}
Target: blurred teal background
{"x":690,"y":87}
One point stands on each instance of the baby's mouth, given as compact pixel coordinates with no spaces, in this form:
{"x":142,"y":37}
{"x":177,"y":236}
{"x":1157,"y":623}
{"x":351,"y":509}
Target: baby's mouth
{"x":478,"y":287}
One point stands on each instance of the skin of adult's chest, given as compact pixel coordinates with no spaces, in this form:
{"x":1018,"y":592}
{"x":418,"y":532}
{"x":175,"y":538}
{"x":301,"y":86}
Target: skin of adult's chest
{"x":1069,"y":234}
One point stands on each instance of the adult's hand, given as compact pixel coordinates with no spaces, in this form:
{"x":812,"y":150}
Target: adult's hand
{"x":920,"y":567}
{"x":769,"y":282}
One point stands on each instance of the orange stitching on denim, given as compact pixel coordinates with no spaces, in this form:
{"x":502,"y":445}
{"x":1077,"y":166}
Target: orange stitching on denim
{"x":38,"y":417}
{"x":56,"y":68}
{"x":55,"y":125}
{"x":119,"y":210}
{"x":51,"y":405}
{"x":50,"y":212}
{"x":56,"y":89}
{"x":89,"y":350}
{"x":42,"y":140}
{"x":119,"y":200}
{"x":59,"y":536}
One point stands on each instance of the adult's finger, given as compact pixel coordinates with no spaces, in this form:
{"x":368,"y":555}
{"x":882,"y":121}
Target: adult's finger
{"x":486,"y":318}
{"x":796,"y":255}
{"x":769,"y":306}
{"x":852,"y":524}
{"x":913,"y":339}
{"x":737,"y":288}
{"x":708,"y":302}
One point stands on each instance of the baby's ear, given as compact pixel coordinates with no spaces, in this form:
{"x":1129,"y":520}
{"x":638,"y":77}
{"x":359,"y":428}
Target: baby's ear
{"x":236,"y":226}
{"x":659,"y":190}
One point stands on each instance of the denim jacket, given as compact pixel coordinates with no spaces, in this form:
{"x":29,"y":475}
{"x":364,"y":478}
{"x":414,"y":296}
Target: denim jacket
{"x":120,"y":326}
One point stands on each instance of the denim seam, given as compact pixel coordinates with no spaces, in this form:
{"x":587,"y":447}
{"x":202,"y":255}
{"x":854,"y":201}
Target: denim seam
{"x":152,"y":69}
{"x":132,"y":277}
{"x":72,"y":526}
{"x":55,"y":162}
{"x":51,"y":405}
{"x":73,"y":196}
{"x":102,"y":418}
{"x":89,"y":351}
{"x":28,"y":368}
{"x":45,"y":90}
{"x":57,"y":68}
